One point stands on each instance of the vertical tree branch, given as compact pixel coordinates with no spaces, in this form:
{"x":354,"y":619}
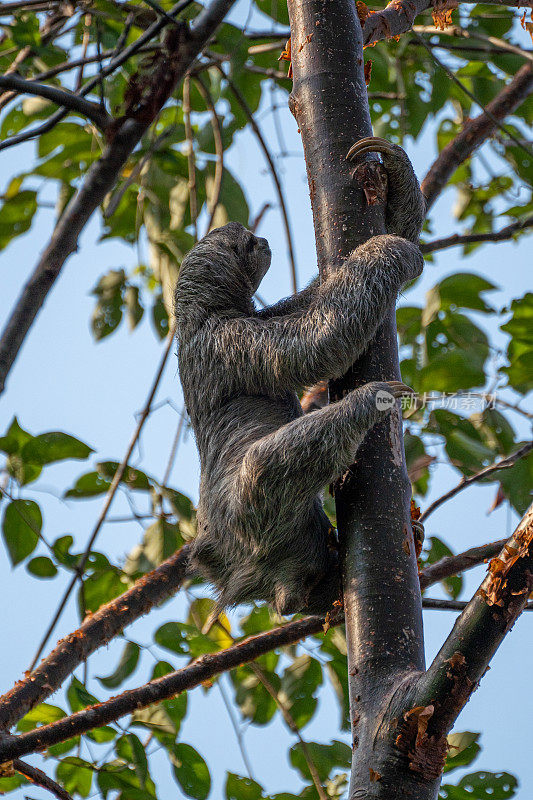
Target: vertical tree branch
{"x":381,"y":589}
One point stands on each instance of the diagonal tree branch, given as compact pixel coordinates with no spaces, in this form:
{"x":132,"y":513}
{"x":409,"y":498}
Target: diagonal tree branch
{"x":149,"y":591}
{"x":505,"y":463}
{"x":399,"y":15}
{"x":478,"y":632}
{"x":201,"y":669}
{"x":508,"y":232}
{"x":40,"y":778}
{"x":60,"y":97}
{"x":452,"y":565}
{"x":183,"y":47}
{"x":153,"y":589}
{"x":475,"y":131}
{"x":509,"y":572}
{"x":453,"y":605}
{"x":100,"y":628}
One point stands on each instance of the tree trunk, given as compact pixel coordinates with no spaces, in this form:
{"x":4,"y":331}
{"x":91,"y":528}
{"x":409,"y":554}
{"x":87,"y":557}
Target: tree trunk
{"x":381,"y":588}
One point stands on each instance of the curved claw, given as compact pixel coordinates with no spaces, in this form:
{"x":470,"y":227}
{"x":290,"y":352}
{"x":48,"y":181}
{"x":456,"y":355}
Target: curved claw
{"x":399,"y":389}
{"x":371,"y":144}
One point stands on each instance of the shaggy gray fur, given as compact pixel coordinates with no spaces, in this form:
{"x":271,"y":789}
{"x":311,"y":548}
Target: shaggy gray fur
{"x":262,"y":531}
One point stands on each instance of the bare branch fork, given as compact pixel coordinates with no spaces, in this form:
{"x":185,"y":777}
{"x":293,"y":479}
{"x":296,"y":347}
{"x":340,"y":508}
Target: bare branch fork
{"x":183,"y":48}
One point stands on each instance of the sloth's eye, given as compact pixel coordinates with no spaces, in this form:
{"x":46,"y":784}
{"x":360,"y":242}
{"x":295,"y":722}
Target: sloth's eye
{"x":250,"y":244}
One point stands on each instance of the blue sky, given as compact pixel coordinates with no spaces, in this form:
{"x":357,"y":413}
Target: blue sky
{"x":63,"y":380}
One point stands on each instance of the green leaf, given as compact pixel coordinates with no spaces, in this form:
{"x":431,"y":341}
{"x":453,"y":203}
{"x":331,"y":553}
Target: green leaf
{"x":482,"y":786}
{"x":133,"y":478}
{"x":181,"y":505}
{"x":89,"y":485}
{"x":520,"y":347}
{"x":463,"y":443}
{"x":159,"y":542}
{"x":437,"y":549}
{"x":16,"y":216}
{"x":462,"y":290}
{"x":184,"y":639}
{"x":21,"y":527}
{"x":54,"y":446}
{"x":15,"y":438}
{"x":325,"y":757}
{"x":160,"y":317}
{"x":102,"y":735}
{"x":190,"y":771}
{"x":42,"y":567}
{"x":78,"y":696}
{"x":516,"y":483}
{"x":254,"y":701}
{"x":107,"y":313}
{"x":131,"y":750}
{"x":43,"y":714}
{"x":238,"y":788}
{"x":75,"y":775}
{"x":299,"y":684}
{"x":99,"y":588}
{"x":126,"y":666}
{"x":463,"y":749}
{"x":116,"y":777}
{"x":61,"y":548}
{"x":134,"y":309}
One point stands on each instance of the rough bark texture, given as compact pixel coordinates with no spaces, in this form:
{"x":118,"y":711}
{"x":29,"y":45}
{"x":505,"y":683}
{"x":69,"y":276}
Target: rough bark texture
{"x":382,"y":594}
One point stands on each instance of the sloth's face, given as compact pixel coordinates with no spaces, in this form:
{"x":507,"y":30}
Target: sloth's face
{"x":258,"y":257}
{"x":253,"y":252}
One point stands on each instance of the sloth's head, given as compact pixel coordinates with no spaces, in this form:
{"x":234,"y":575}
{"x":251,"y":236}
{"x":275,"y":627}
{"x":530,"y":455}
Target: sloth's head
{"x":252,"y":253}
{"x":221,"y":274}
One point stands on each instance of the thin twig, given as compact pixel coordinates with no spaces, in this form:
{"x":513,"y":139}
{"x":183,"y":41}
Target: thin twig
{"x":191,"y":159}
{"x":60,"y":97}
{"x":174,"y":449}
{"x":293,"y":727}
{"x":453,"y":605}
{"x":219,"y":151}
{"x":455,"y":30}
{"x":113,"y":65}
{"x":198,"y":671}
{"x":236,"y":729}
{"x":273,"y":171}
{"x":10,"y":8}
{"x":119,"y":474}
{"x":505,"y":463}
{"x":168,"y":69}
{"x":474,"y":238}
{"x":452,"y":565}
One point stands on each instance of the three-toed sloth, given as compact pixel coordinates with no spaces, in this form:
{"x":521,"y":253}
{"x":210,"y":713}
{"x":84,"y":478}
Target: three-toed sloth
{"x":262,"y":530}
